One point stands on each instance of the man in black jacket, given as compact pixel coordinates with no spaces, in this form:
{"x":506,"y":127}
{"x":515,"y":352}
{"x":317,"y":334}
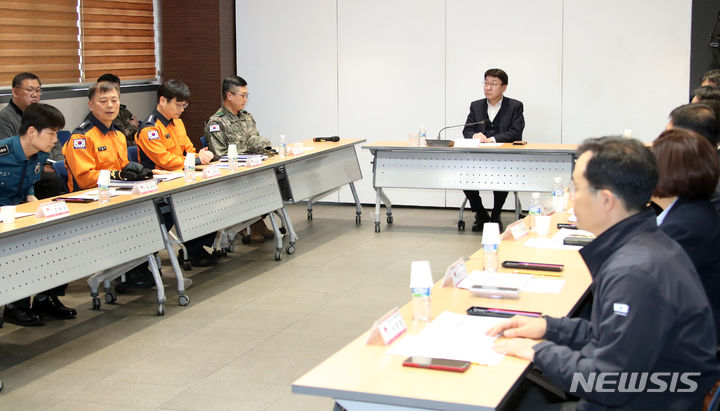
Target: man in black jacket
{"x":651,"y":322}
{"x":502,"y":122}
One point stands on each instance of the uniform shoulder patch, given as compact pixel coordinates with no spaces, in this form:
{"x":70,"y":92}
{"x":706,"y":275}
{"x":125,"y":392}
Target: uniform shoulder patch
{"x":621,"y":309}
{"x":83,"y":128}
{"x":79,"y":143}
{"x":153,"y":135}
{"x":214,"y":127}
{"x":4,"y":150}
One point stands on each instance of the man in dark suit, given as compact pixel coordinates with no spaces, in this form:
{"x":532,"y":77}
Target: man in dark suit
{"x":503,"y":123}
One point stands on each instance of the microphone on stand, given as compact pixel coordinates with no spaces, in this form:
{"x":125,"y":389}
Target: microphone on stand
{"x":449,"y":143}
{"x":334,"y":139}
{"x":458,"y":125}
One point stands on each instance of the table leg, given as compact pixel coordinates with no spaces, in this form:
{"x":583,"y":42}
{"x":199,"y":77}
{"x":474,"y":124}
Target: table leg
{"x":358,"y":206}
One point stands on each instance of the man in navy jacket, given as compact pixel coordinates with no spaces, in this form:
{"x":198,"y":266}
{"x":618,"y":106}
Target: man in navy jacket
{"x":501,"y":121}
{"x":651,"y":322}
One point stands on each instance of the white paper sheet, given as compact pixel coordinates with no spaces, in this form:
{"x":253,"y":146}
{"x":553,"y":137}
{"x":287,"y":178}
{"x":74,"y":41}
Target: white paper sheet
{"x":93,"y":194}
{"x":485,"y":278}
{"x":549,"y":244}
{"x":19,"y":215}
{"x":544,"y":285}
{"x":454,"y":337}
{"x":168,"y":177}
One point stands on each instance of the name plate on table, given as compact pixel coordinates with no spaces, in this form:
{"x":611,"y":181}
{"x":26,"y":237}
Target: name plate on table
{"x":144,"y":187}
{"x":455,"y":273}
{"x":387,"y":329}
{"x":253,"y":161}
{"x":54,"y":209}
{"x":211,"y":172}
{"x":517,"y":230}
{"x":295,"y":151}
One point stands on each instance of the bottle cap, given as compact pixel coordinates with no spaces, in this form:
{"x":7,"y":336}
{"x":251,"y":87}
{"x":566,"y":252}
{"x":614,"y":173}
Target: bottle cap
{"x":190,"y":159}
{"x":104,"y":178}
{"x":491,"y":233}
{"x":420,"y":274}
{"x":558,"y":180}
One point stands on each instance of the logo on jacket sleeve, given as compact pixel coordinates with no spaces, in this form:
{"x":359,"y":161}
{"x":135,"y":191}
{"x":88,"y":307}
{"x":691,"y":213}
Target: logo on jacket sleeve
{"x":102,"y":148}
{"x":37,"y":168}
{"x":153,"y":135}
{"x":214,"y":127}
{"x":621,"y":309}
{"x":79,"y":143}
{"x":4,"y":150}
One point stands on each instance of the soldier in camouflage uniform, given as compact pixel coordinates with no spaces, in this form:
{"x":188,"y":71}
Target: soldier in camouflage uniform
{"x":125,"y":121}
{"x":233,"y":125}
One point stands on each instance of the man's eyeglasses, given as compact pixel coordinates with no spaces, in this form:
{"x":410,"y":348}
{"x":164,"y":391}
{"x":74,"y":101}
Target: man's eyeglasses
{"x":181,"y":106}
{"x":243,"y":95}
{"x":491,"y":85}
{"x":31,"y":90}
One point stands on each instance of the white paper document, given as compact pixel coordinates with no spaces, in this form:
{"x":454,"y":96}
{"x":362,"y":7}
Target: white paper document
{"x":544,"y":285}
{"x":19,"y":215}
{"x":168,"y":177}
{"x":454,"y":337}
{"x":93,"y":194}
{"x":496,"y":279}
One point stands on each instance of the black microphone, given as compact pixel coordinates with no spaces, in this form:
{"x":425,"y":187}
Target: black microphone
{"x":458,"y":125}
{"x":334,"y":139}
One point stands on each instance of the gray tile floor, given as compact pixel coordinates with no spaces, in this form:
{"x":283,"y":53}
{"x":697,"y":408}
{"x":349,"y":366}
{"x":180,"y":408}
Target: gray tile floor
{"x":253,"y":326}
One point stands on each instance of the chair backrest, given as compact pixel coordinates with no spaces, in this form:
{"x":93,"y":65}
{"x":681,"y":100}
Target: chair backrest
{"x":63,"y":136}
{"x":61,"y":171}
{"x":203,"y":141}
{"x":132,"y":153}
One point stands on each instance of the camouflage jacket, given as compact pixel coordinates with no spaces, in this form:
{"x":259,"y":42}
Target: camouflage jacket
{"x":122,"y":122}
{"x":224,"y":128}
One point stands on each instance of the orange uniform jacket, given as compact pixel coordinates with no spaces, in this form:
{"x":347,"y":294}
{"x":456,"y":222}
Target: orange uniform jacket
{"x":91,"y":148}
{"x":163,"y":143}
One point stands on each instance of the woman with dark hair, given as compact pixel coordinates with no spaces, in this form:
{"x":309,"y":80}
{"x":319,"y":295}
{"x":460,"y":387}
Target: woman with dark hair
{"x":688,"y":169}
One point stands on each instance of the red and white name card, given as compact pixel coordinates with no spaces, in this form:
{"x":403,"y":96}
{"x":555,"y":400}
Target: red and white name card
{"x":253,"y":161}
{"x":144,"y":187}
{"x":54,"y":209}
{"x":455,"y":273}
{"x":211,"y":172}
{"x":387,"y":329}
{"x":517,"y":230}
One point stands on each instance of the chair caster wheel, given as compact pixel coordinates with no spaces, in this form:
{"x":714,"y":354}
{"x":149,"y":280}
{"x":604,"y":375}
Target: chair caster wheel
{"x":160,"y":309}
{"x":183,"y":300}
{"x":377,"y":227}
{"x":96,"y":304}
{"x":291,"y":249}
{"x":282,"y":230}
{"x":186,"y":265}
{"x":218,"y":254}
{"x":246,"y":240}
{"x":110,"y":298}
{"x":357,"y":219}
{"x":461,"y":225}
{"x":277,"y":255}
{"x":389,"y":219}
{"x":231,"y":249}
{"x":309,"y":215}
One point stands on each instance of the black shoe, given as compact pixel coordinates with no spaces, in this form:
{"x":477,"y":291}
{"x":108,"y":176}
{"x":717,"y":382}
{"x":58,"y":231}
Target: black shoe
{"x":202,"y":259}
{"x":139,"y":277}
{"x":21,"y":316}
{"x":480,"y":219}
{"x":53,"y":307}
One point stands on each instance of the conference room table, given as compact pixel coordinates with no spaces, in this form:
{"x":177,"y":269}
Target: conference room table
{"x":505,"y":167}
{"x":366,"y":377}
{"x":37,"y":254}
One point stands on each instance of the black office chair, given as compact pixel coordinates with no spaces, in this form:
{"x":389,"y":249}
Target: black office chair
{"x":61,"y":171}
{"x":132,"y":153}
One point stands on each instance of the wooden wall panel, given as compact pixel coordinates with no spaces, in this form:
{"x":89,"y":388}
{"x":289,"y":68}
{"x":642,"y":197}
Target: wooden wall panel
{"x":198,"y":48}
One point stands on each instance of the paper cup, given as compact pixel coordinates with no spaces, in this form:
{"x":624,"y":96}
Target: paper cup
{"x":542,"y":225}
{"x":8,"y":214}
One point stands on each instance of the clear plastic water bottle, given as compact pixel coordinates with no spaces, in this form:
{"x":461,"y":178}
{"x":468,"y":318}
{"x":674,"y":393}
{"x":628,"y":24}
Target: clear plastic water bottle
{"x":422,"y":136}
{"x":283,"y":146}
{"x":490,"y":252}
{"x":232,"y":157}
{"x":190,"y":167}
{"x":558,"y":194}
{"x":104,"y":187}
{"x":535,"y":208}
{"x":421,"y":304}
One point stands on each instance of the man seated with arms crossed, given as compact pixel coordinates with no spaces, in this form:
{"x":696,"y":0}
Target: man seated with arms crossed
{"x":649,"y":314}
{"x":503,"y":122}
{"x":163,"y":144}
{"x":21,"y":159}
{"x":26,"y":89}
{"x":231,"y":124}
